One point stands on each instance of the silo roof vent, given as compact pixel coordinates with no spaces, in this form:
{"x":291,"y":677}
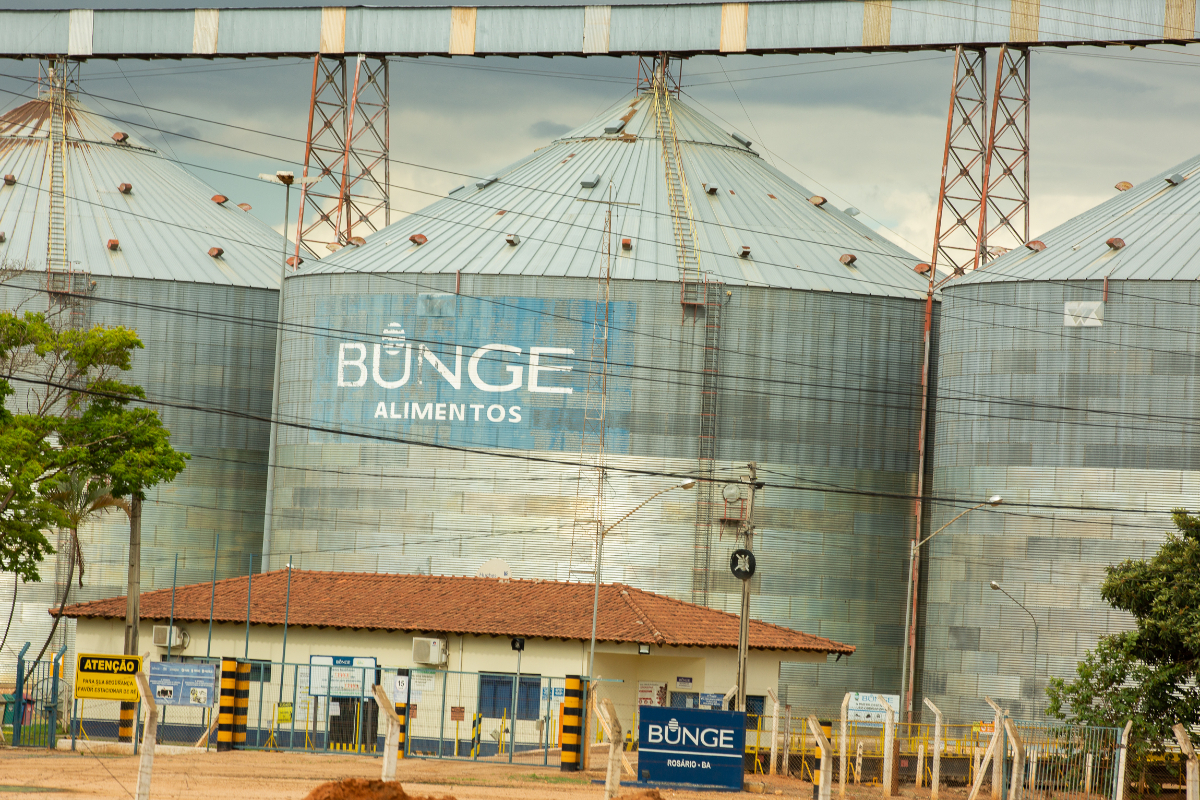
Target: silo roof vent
{"x":294,"y":261}
{"x":711,"y":188}
{"x":1123,"y":186}
{"x":220,"y":199}
{"x":1037,"y":245}
{"x":922,"y":268}
{"x":10,"y":179}
{"x":817,"y":200}
{"x":1115,"y":243}
{"x":216,"y":252}
{"x":418,"y":238}
{"x":742,"y":140}
{"x":851,"y":212}
{"x":120,"y":137}
{"x":357,"y":241}
{"x":627,"y":244}
{"x":125,"y":188}
{"x":1175,"y":179}
{"x":113,"y":244}
{"x":488,"y":181}
{"x":512,"y":239}
{"x":615,"y":126}
{"x":590,"y":181}
{"x":848,"y":259}
{"x":2,"y":237}
{"x":744,"y":251}
{"x":244,"y":206}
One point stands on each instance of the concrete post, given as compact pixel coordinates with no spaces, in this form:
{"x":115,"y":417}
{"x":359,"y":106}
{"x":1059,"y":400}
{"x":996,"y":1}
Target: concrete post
{"x":858,"y":765}
{"x":1033,"y":765}
{"x":391,"y":742}
{"x":612,"y":778}
{"x":1121,"y":760}
{"x":774,"y":729}
{"x":825,"y":790}
{"x":920,"y":764}
{"x":149,"y":735}
{"x":936,"y":778}
{"x":1001,"y":752}
{"x":889,"y":755}
{"x":1087,"y":775}
{"x":1018,"y":765}
{"x":787,"y":743}
{"x":980,"y":771}
{"x":1193,"y":773}
{"x":843,"y":745}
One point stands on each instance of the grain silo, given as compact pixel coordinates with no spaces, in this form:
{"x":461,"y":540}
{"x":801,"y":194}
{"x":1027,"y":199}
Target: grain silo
{"x":1066,"y":382}
{"x":104,"y":230}
{"x":748,"y":320}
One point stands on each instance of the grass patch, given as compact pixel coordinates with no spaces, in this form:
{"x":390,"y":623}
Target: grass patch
{"x":537,"y":777}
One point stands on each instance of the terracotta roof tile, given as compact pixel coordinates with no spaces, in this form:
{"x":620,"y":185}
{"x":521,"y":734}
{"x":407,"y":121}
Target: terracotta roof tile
{"x":482,"y":606}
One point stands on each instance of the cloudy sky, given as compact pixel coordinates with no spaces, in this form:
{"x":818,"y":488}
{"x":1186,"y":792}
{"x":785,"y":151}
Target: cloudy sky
{"x":864,"y":130}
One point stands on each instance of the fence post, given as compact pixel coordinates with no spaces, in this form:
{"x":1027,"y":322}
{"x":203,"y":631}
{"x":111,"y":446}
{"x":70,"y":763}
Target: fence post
{"x":572,"y":724}
{"x":149,"y":735}
{"x":612,"y":778}
{"x":843,"y":745}
{"x":936,"y":779}
{"x":1018,"y":766}
{"x":225,"y":711}
{"x":826,"y":784}
{"x":1185,"y":744}
{"x":787,"y":743}
{"x":1033,"y":769}
{"x":989,"y":755}
{"x":1087,"y":775}
{"x":858,"y":765}
{"x":19,"y":697}
{"x":241,"y":705}
{"x":1120,"y":794}
{"x":52,"y":728}
{"x":775,"y":730}
{"x":1001,"y":751}
{"x":391,"y":742}
{"x":920,"y":764}
{"x":889,"y":756}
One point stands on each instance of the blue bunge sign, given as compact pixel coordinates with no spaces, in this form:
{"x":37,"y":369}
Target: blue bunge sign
{"x":687,"y":745}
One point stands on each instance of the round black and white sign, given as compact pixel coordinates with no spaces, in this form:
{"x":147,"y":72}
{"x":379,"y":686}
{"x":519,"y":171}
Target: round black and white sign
{"x":741,"y":564}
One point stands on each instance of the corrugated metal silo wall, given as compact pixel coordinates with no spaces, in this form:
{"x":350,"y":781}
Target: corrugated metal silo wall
{"x":815,"y":385}
{"x":1011,"y":377}
{"x":211,"y":346}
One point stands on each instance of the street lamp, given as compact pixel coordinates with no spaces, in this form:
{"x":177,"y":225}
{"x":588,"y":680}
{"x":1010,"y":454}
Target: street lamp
{"x":1036,"y":637}
{"x":686,"y":484}
{"x":286,"y":179}
{"x":910,"y":616}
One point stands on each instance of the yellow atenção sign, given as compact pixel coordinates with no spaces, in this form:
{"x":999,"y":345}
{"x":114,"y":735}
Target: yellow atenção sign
{"x":106,"y":677}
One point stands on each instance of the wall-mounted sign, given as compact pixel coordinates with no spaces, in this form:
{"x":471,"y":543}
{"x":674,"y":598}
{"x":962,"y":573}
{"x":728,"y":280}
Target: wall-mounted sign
{"x":176,"y":684}
{"x":652,"y":693}
{"x":742,"y":564}
{"x":713,"y":701}
{"x":683,"y":683}
{"x":340,"y":676}
{"x":689,"y":746}
{"x":104,"y":677}
{"x":866,"y":707}
{"x":400,"y":689}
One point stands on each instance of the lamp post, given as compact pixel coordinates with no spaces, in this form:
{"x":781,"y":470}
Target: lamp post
{"x":286,"y":179}
{"x":1036,"y":637}
{"x":908,"y":669}
{"x":686,"y":484}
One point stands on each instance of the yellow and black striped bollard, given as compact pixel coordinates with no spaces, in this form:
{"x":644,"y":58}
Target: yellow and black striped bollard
{"x":572,"y":724}
{"x":126,"y":723}
{"x":402,"y":712}
{"x":241,"y":700}
{"x":226,"y":710}
{"x":476,"y":734}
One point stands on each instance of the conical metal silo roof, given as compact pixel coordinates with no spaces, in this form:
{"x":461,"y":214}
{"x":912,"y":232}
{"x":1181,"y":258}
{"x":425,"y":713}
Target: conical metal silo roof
{"x":164,"y":220}
{"x":1150,"y":232}
{"x":737,"y":199}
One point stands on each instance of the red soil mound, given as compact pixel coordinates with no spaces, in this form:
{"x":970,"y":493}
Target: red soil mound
{"x":363,"y":789}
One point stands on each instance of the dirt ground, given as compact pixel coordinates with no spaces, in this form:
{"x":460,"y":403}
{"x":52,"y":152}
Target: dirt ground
{"x":267,"y":776}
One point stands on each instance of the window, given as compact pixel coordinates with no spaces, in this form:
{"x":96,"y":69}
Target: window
{"x":495,"y":696}
{"x":755,"y":706}
{"x":685,"y":699}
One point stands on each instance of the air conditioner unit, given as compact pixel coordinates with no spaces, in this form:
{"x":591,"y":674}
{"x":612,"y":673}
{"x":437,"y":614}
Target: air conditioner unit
{"x":429,"y":651}
{"x":174,"y":636}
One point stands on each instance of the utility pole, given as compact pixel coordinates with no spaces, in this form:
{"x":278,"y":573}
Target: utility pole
{"x":747,"y":532}
{"x":134,"y":589}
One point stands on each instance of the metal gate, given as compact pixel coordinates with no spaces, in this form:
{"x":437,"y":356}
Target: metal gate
{"x":40,"y":702}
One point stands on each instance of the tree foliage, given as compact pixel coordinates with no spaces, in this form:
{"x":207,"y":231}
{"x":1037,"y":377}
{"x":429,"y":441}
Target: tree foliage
{"x":1148,"y":674}
{"x":67,"y":411}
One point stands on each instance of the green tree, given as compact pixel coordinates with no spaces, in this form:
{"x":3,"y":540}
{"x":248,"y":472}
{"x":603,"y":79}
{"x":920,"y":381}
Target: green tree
{"x":1148,"y":674}
{"x":81,"y":498}
{"x":66,"y":410}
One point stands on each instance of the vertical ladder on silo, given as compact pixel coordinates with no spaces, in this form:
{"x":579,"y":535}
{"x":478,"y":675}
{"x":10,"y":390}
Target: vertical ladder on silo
{"x":682,"y":222}
{"x":58,"y":264}
{"x":706,"y":503}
